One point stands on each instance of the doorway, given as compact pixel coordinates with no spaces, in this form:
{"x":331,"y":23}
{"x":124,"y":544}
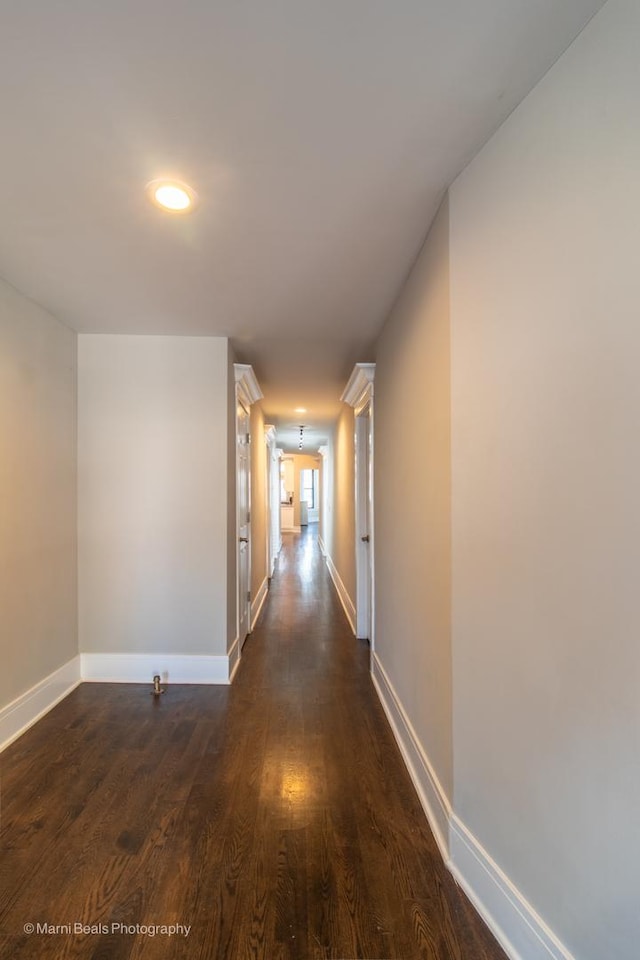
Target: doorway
{"x":247,"y":392}
{"x":243,"y":493}
{"x":310,"y":494}
{"x":364,"y":524}
{"x":359,"y":395}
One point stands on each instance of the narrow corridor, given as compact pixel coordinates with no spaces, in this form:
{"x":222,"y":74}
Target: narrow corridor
{"x":274,"y":817}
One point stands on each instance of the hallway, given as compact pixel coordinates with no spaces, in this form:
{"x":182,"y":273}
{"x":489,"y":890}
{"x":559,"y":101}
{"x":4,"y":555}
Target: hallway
{"x":273,"y":818}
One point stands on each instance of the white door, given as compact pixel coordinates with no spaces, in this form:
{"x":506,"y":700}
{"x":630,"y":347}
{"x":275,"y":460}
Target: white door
{"x":273,"y":467}
{"x":359,"y":394}
{"x":243,"y":473}
{"x":364,"y":524}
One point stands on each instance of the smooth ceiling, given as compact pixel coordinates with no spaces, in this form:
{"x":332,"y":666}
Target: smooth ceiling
{"x":319,"y":136}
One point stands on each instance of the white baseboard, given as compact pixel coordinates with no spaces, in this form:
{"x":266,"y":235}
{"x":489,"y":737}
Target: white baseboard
{"x":323,"y":549}
{"x":26,"y":709}
{"x":30,"y":706}
{"x":521,"y":932}
{"x":432,"y":796}
{"x":258,"y":601}
{"x":234,"y":658}
{"x":345,"y":599}
{"x":141,"y":667}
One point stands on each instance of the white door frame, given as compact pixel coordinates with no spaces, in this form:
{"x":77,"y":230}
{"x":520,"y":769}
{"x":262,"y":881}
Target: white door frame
{"x":274,"y":541}
{"x":247,"y":391}
{"x":243,"y":520}
{"x":326,"y":480}
{"x":359,"y":395}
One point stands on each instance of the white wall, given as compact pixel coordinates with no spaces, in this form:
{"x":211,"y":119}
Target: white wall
{"x":413,"y":503}
{"x":38,"y":606}
{"x":153,"y":434}
{"x":545,"y":296}
{"x":338,"y":524}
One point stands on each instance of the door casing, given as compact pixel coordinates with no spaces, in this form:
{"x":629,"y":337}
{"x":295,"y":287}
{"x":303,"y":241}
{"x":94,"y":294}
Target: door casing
{"x":247,"y":391}
{"x":359,"y":395}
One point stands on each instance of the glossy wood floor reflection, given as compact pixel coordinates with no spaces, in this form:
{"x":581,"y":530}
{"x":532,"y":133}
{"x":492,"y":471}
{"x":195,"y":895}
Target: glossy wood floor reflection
{"x":274,"y":817}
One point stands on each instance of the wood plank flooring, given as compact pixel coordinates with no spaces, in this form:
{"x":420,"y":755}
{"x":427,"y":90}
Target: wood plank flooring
{"x":274,"y":818}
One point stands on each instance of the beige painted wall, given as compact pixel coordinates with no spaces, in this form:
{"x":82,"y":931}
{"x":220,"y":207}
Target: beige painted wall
{"x":338,"y":527}
{"x":232,"y":528}
{"x":153,"y":436}
{"x":259,"y":518}
{"x":545,"y":284}
{"x":413,"y":500}
{"x":37,"y":494}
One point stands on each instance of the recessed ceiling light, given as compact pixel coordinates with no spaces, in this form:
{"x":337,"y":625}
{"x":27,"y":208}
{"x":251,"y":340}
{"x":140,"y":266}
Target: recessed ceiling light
{"x":172,"y":195}
{"x":300,"y":410}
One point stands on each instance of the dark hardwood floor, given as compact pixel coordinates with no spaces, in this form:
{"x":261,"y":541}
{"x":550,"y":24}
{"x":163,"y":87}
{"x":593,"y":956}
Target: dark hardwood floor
{"x":274,"y":818}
